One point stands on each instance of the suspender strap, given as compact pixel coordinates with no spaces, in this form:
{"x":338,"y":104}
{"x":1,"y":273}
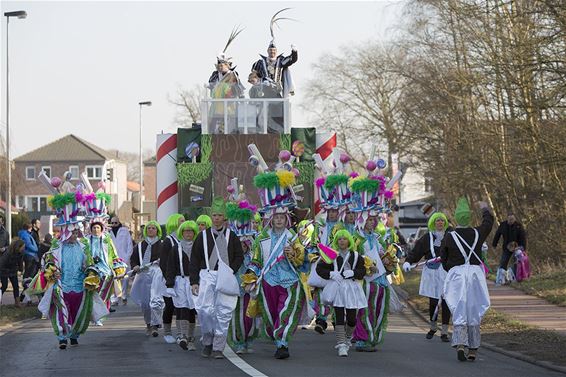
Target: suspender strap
{"x":459,"y":240}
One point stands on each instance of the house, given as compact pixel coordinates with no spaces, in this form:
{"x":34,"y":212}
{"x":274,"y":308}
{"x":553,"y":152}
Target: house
{"x":73,"y":154}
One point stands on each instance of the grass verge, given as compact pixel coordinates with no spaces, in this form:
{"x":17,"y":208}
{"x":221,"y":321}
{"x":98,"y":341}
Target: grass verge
{"x":548,"y":285}
{"x":502,"y":330}
{"x":10,"y":314}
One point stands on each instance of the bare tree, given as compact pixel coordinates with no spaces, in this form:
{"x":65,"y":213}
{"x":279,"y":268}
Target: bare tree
{"x":187,"y":102}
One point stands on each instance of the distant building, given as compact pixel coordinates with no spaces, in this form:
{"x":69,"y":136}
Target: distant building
{"x":73,"y":154}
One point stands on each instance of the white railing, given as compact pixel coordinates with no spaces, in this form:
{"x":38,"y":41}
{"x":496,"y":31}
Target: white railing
{"x":246,"y":116}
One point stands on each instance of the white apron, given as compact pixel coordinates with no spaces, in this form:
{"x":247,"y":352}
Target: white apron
{"x":432,"y":280}
{"x":214,"y":308}
{"x":148,"y":288}
{"x":465,"y":288}
{"x":347,"y":293}
{"x":373,"y":253}
{"x":183,"y":297}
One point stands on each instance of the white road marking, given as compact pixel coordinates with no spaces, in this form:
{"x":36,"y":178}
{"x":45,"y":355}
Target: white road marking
{"x":241,"y":364}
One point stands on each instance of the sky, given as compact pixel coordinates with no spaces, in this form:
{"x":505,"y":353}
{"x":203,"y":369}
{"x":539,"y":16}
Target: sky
{"x":82,"y":67}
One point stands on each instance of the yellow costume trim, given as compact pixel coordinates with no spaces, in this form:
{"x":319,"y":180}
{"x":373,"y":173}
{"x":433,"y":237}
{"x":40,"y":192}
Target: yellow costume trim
{"x":92,"y":282}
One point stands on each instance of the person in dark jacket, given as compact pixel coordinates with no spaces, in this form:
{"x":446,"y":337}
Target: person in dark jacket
{"x":433,"y":275}
{"x":169,"y":243}
{"x":148,"y":276}
{"x":11,"y":262}
{"x":45,"y":245}
{"x":214,"y":308}
{"x":35,"y":226}
{"x":31,"y":256}
{"x":179,"y":287}
{"x":4,"y":236}
{"x":511,"y":231}
{"x":465,"y":287}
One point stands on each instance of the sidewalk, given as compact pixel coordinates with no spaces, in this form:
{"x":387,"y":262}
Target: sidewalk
{"x":528,"y":309}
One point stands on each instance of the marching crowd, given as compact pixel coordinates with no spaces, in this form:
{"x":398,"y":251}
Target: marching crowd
{"x":251,"y":271}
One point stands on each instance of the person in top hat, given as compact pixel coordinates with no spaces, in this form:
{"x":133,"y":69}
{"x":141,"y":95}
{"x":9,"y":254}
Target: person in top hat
{"x":465,"y":287}
{"x":216,"y":256}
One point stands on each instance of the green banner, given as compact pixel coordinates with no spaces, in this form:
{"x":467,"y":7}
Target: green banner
{"x":303,"y":143}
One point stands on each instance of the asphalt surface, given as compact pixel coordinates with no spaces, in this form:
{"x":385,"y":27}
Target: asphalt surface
{"x":121,"y":348}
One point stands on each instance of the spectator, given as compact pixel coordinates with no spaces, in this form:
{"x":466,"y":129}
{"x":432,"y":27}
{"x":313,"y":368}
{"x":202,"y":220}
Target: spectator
{"x":511,"y":231}
{"x":35,"y":225}
{"x":4,"y":236}
{"x":10,"y":263}
{"x":31,"y":256}
{"x":45,"y":245}
{"x":124,"y":245}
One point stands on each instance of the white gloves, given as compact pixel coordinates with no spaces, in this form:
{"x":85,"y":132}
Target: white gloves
{"x":293,"y":48}
{"x":348,"y":274}
{"x":336,"y":276}
{"x":171,"y":292}
{"x":406,"y":267}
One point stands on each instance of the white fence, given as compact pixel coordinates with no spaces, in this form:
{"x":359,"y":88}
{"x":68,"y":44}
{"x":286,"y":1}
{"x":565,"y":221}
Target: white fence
{"x":246,"y":116}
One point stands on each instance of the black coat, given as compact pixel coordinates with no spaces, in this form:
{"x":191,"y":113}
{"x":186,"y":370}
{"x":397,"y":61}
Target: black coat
{"x":449,"y":252}
{"x":173,"y":266}
{"x":4,"y":238}
{"x":510,"y":232}
{"x":422,"y":248}
{"x":323,"y":269}
{"x":197,"y":263}
{"x":155,"y":252}
{"x":167,"y":245}
{"x":11,"y":263}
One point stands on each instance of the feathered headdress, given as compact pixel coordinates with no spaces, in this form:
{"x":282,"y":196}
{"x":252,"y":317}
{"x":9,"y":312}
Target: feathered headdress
{"x":273,"y":23}
{"x":239,"y":212}
{"x":222,"y":57}
{"x":332,"y":187}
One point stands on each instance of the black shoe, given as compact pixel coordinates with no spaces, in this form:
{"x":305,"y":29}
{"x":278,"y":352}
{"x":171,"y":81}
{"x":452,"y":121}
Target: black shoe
{"x":430,"y":334}
{"x":154,"y":331}
{"x":445,"y":338}
{"x":461,"y":354}
{"x":206,"y":351}
{"x":63,"y":344}
{"x":282,"y":353}
{"x":74,"y":342}
{"x":318,"y":328}
{"x":111,"y":310}
{"x":183,"y":343}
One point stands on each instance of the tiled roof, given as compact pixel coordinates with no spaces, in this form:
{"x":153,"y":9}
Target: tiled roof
{"x":68,"y":148}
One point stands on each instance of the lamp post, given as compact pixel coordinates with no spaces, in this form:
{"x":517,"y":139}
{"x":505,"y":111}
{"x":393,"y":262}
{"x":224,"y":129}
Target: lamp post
{"x":142,"y":104}
{"x":21,"y":14}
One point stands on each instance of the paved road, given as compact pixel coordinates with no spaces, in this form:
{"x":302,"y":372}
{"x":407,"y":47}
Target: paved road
{"x":120,"y":348}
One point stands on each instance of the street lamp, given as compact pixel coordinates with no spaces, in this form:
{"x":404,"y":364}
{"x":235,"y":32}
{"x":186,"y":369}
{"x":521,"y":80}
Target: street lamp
{"x":21,"y":14}
{"x":143,"y":103}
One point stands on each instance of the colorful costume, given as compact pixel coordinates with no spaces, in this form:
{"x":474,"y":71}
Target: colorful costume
{"x":279,"y":258}
{"x":104,"y":256}
{"x":241,"y":215}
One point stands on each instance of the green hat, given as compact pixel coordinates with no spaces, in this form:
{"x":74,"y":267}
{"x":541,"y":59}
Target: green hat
{"x":463,"y":214}
{"x":204,"y":219}
{"x":218,"y":206}
{"x":432,"y":220}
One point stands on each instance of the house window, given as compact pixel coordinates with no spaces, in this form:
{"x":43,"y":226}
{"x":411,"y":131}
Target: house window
{"x":34,"y":203}
{"x":94,"y":172}
{"x":30,"y":173}
{"x":74,"y":169}
{"x":47,"y":170}
{"x":20,"y":201}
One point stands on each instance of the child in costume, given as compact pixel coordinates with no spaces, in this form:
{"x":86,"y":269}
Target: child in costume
{"x":147,"y":286}
{"x":215,"y":258}
{"x":344,"y":292}
{"x":204,"y":222}
{"x":368,"y":198}
{"x":169,"y":243}
{"x":433,"y":274}
{"x":240,"y":215}
{"x":179,"y":287}
{"x":465,"y":287}
{"x":279,"y":257}
{"x":334,"y":196}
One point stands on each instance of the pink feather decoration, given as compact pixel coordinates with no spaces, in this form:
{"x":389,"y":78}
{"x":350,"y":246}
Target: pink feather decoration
{"x":354,"y":174}
{"x":320,"y":181}
{"x":244,"y":204}
{"x":388,"y":194}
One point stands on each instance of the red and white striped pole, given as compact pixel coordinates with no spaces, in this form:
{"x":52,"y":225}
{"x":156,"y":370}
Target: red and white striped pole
{"x":167,"y":190}
{"x":325,"y":143}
